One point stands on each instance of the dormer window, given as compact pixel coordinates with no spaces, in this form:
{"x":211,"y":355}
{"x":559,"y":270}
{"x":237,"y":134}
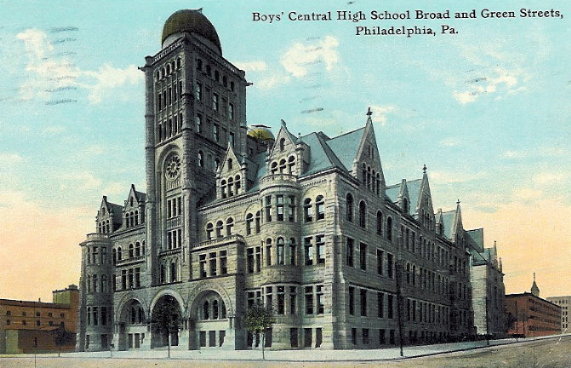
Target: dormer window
{"x":229,"y":164}
{"x":282,"y":144}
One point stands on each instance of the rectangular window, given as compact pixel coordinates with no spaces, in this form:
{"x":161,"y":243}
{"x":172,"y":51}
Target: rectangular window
{"x":215,"y":102}
{"x":268,"y":208}
{"x":363,"y":294}
{"x":202,"y":339}
{"x":198,"y":91}
{"x":318,"y":337}
{"x":307,"y":337}
{"x":293,"y":300}
{"x":250,"y":260}
{"x":319,"y":296}
{"x":350,"y":251}
{"x":351,"y":300}
{"x":281,"y":299}
{"x":363,"y":255}
{"x":291,"y":209}
{"x":390,"y":265}
{"x":280,"y":207}
{"x":231,"y":139}
{"x":308,"y":251}
{"x":320,"y":243}
{"x":380,"y":305}
{"x":293,"y":337}
{"x":380,"y":257}
{"x":202,"y":261}
{"x":258,"y":258}
{"x":269,"y":297}
{"x":382,"y":339}
{"x":309,"y":300}
{"x":216,"y":132}
{"x":212,"y":263}
{"x":230,"y":111}
{"x":354,"y":336}
{"x":223,"y":263}
{"x":365,"y":336}
{"x":390,"y":305}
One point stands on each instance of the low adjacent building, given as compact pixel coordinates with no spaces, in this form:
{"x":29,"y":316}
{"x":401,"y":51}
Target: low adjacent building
{"x":530,"y":316}
{"x":564,"y":302}
{"x":30,"y":326}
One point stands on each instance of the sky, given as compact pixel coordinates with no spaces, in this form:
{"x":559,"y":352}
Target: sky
{"x":487,"y":109}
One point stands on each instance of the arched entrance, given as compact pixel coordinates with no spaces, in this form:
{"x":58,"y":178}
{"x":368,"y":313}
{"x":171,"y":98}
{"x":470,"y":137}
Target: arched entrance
{"x":211,"y":322}
{"x":166,"y":322}
{"x":132,"y":326}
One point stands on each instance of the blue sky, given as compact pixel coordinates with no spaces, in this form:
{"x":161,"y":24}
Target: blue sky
{"x":487,"y":110}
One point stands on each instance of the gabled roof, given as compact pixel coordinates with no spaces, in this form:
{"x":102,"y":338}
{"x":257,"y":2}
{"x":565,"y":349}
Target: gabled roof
{"x":111,"y":207}
{"x":448,"y":224}
{"x":414,"y":189}
{"x":346,"y":145}
{"x":321,"y":155}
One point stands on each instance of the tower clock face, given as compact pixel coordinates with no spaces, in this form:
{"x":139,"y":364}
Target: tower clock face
{"x":172,"y":167}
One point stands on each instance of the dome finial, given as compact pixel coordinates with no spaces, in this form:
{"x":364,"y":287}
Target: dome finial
{"x":424,"y":169}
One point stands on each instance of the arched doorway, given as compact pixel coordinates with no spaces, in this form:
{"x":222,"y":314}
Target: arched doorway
{"x":166,"y":321}
{"x":132,"y":326}
{"x":211,"y":320}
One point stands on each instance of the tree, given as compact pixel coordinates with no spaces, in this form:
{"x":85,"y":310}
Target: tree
{"x":259,"y":319}
{"x":166,"y":318}
{"x":62,"y":337}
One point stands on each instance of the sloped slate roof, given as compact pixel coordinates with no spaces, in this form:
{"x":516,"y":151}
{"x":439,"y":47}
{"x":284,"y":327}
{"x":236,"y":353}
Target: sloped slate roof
{"x":346,"y":145}
{"x":414,"y":187}
{"x":393,"y":192}
{"x":448,"y":223}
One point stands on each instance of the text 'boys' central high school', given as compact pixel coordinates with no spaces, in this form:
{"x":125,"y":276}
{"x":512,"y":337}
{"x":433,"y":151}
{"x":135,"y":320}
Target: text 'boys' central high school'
{"x":233,"y":217}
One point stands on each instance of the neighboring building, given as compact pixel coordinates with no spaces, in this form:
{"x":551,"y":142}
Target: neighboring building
{"x":488,"y":291}
{"x":28,"y":326}
{"x":529,"y":315}
{"x":233,"y":217}
{"x":564,"y":302}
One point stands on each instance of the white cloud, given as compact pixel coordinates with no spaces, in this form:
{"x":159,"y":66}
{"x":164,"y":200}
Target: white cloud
{"x":49,"y":73}
{"x":514,"y":154}
{"x":80,"y":181}
{"x":527,"y":193}
{"x":380,"y":113}
{"x":109,"y":78}
{"x":298,"y":57}
{"x":548,"y":178}
{"x":252,"y":66}
{"x":7,"y":159}
{"x":450,"y":142}
{"x":272,"y":81}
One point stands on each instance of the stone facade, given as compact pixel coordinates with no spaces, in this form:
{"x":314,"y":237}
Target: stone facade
{"x":233,"y":217}
{"x":564,"y":302}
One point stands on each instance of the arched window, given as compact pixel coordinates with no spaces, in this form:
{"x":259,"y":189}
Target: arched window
{"x":369,"y":177}
{"x":379,"y":223}
{"x":137,"y":249}
{"x":258,"y":221}
{"x":223,"y":188}
{"x":230,"y":187}
{"x":282,"y":144}
{"x":362,"y":214}
{"x":229,"y":226}
{"x":199,"y":64}
{"x":173,"y":271}
{"x":128,"y":220}
{"x":307,"y":210}
{"x":114,"y":256}
{"x":282,"y":166}
{"x":349,"y":208}
{"x":200,"y":159}
{"x":219,"y":227}
{"x":389,"y":228}
{"x":229,"y":164}
{"x":290,"y":164}
{"x":274,"y":167}
{"x":131,"y":251}
{"x":215,"y":309}
{"x":237,"y":183}
{"x":119,"y":254}
{"x":249,"y":222}
{"x":209,"y":230}
{"x":320,"y":207}
{"x":178,"y":63}
{"x":378,"y":184}
{"x":268,"y":252}
{"x":364,"y":174}
{"x":104,"y":283}
{"x":292,"y":251}
{"x":281,"y":250}
{"x":206,"y":310}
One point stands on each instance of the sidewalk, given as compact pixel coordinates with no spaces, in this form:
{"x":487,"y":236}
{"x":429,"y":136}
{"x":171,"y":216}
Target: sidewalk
{"x":314,"y":355}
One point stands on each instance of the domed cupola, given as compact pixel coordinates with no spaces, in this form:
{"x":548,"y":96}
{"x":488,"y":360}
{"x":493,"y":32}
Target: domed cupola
{"x":194,"y":22}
